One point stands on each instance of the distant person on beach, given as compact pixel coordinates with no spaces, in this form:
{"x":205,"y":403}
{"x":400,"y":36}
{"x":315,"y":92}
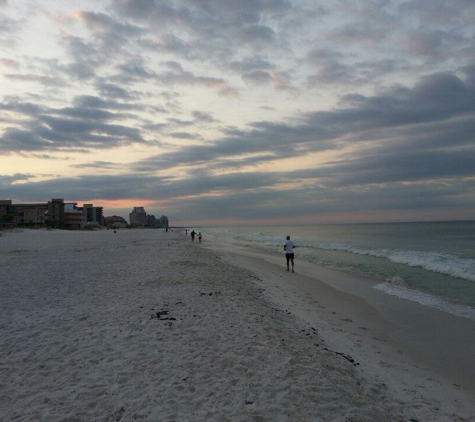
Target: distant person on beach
{"x":186,"y":232}
{"x":199,"y":236}
{"x":289,"y":252}
{"x":193,"y":233}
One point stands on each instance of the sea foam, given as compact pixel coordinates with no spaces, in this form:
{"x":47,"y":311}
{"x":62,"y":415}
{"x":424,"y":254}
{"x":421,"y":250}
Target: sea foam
{"x":443,"y":263}
{"x":403,"y":292}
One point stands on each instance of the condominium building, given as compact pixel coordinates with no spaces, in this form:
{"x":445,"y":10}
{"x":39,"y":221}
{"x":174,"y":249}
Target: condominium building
{"x":73,"y":216}
{"x":163,"y":222}
{"x":22,"y":213}
{"x":93,"y":216}
{"x":5,"y":209}
{"x":55,"y":213}
{"x":138,"y":217}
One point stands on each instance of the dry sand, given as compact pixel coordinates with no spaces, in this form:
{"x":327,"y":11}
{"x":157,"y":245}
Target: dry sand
{"x":146,"y":325}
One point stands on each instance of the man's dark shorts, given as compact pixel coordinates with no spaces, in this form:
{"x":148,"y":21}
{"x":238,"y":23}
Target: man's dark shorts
{"x":289,"y":256}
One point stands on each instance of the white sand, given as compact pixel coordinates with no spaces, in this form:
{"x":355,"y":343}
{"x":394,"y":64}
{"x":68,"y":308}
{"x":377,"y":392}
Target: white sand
{"x":80,"y":339}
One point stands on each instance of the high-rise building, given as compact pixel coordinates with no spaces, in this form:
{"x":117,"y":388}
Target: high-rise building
{"x":138,"y":217}
{"x":163,"y":221}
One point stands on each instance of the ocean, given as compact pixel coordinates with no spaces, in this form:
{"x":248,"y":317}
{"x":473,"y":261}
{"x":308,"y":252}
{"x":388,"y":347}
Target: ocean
{"x":430,"y":263}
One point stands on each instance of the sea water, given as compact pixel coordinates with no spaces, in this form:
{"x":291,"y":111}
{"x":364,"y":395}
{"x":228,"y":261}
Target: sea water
{"x":430,"y":263}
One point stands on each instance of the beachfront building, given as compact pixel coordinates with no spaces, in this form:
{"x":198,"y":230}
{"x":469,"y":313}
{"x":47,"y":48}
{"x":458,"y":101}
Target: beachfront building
{"x":22,"y":213}
{"x":115,"y":222}
{"x":138,"y":217}
{"x":55,"y":214}
{"x":163,"y":222}
{"x":73,"y":217}
{"x":5,"y":210}
{"x":30,"y":213}
{"x":93,"y":216}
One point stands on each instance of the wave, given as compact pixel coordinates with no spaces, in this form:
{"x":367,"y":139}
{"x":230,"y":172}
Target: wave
{"x":443,"y":263}
{"x":403,"y":292}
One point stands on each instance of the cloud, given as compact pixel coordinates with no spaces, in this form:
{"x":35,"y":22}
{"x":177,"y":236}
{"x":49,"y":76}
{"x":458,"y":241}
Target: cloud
{"x":258,"y":77}
{"x":9,"y":63}
{"x":240,"y":108}
{"x":29,"y":77}
{"x":399,"y":113}
{"x":70,"y":128}
{"x":10,"y":28}
{"x":203,"y":117}
{"x":100,"y":165}
{"x":110,"y":90}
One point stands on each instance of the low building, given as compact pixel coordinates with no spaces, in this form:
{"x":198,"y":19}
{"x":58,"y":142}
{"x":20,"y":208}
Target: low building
{"x":28,"y":213}
{"x":115,"y":222}
{"x":55,"y":213}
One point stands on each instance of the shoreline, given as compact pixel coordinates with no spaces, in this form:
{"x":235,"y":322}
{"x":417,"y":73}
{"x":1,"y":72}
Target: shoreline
{"x":366,"y":322}
{"x":146,"y":325}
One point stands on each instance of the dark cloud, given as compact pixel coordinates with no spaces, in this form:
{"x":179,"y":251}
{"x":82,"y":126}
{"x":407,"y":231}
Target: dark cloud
{"x":250,"y":195}
{"x":410,"y":114}
{"x":106,"y":165}
{"x":402,"y":166}
{"x":110,"y":90}
{"x":333,"y":67}
{"x":177,"y":75}
{"x":171,"y":44}
{"x":257,"y":77}
{"x":184,"y":135}
{"x":88,"y":124}
{"x":255,"y":34}
{"x":437,"y":11}
{"x":203,"y":117}
{"x":10,"y":29}
{"x":29,"y":77}
{"x":251,"y":64}
{"x":358,"y":33}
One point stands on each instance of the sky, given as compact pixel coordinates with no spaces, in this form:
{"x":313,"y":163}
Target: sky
{"x":220,"y":112}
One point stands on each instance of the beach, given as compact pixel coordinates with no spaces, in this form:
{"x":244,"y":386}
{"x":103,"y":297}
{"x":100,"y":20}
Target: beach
{"x":147,"y":325}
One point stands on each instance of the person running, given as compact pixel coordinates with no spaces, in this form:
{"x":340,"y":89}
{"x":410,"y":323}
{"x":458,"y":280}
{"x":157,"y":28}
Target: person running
{"x":289,"y":252}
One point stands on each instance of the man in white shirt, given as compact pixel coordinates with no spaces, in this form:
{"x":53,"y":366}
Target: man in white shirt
{"x":289,"y":252}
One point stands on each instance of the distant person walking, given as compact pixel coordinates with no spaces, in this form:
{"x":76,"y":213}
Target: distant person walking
{"x":199,"y":236}
{"x":193,"y":234}
{"x":289,"y":252}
